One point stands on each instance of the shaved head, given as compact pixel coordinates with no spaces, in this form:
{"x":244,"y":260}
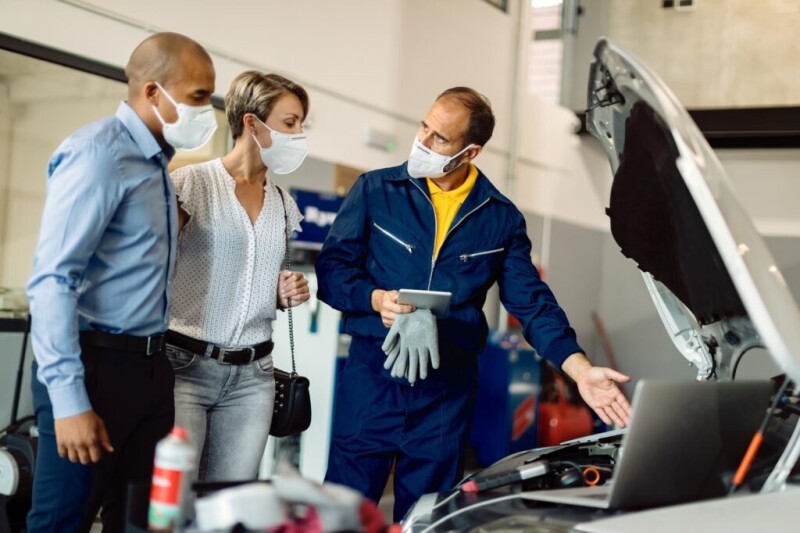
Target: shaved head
{"x":161,"y":57}
{"x":165,"y":71}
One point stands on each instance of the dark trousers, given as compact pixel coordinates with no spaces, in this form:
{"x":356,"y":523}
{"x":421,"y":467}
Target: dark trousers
{"x":378,"y":421}
{"x":133,"y":394}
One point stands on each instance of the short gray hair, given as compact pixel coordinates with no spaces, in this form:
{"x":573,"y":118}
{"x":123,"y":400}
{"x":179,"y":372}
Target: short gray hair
{"x":256,"y":92}
{"x":481,"y":117}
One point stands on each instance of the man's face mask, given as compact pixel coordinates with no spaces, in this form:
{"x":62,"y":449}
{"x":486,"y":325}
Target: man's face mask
{"x":194,"y":127}
{"x":286,"y":153}
{"x":425,"y":163}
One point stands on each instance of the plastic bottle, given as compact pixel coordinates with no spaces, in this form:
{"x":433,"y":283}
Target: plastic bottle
{"x":172,"y":479}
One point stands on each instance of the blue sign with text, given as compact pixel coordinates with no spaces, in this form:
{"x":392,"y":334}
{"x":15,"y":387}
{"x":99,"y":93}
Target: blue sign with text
{"x":319,"y":211}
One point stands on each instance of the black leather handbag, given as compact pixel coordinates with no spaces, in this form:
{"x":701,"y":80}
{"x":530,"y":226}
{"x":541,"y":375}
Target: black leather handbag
{"x":292,"y":410}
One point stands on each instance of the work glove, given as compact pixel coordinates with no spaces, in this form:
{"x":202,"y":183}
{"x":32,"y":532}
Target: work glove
{"x":412,"y":342}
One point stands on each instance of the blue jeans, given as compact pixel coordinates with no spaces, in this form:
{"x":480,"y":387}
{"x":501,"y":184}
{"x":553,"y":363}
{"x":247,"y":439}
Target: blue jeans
{"x":227,"y":410}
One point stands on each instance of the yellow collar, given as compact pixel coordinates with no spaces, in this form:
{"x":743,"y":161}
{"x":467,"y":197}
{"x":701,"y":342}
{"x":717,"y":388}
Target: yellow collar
{"x":460,"y":193}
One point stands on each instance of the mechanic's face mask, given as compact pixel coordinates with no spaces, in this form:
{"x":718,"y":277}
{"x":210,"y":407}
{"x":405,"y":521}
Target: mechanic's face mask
{"x":194,"y":127}
{"x":287,"y":152}
{"x":425,"y":163}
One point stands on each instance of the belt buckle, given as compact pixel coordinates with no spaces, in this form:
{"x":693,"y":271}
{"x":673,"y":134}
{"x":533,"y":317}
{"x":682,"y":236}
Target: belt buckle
{"x":154,"y":344}
{"x":223,"y":351}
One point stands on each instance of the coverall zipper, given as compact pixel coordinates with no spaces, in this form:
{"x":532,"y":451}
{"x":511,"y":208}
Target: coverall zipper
{"x":436,"y":229}
{"x":467,"y":257}
{"x":405,"y":245}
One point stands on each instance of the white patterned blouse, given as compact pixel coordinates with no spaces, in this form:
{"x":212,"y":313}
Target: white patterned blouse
{"x":226,"y":275}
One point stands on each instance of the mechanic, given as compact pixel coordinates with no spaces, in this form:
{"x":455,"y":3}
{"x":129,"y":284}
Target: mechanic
{"x":435,"y":222}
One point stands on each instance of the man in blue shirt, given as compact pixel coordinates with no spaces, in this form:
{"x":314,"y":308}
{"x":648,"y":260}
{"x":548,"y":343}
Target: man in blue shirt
{"x":99,"y":293}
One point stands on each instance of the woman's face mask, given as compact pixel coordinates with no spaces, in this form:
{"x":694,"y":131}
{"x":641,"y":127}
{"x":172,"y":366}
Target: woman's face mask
{"x":425,"y":163}
{"x":287,"y":152}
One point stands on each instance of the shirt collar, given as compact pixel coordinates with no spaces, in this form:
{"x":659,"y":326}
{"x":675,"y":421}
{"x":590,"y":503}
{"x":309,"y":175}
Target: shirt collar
{"x":483,"y":187}
{"x":140,"y":133}
{"x":459,"y":193}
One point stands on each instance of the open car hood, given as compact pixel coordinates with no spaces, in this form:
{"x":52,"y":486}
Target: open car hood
{"x":673,"y":211}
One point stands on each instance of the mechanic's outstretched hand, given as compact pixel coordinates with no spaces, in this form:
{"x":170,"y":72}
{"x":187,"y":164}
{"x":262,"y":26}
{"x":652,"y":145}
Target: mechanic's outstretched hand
{"x":385,"y":304}
{"x":599,"y":389}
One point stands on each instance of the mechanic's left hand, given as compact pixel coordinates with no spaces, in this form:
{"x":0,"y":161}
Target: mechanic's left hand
{"x":599,"y":389}
{"x":292,"y":286}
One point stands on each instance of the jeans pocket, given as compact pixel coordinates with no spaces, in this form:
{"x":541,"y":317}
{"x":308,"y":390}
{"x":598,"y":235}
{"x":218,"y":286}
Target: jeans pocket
{"x":262,"y":368}
{"x":180,"y":360}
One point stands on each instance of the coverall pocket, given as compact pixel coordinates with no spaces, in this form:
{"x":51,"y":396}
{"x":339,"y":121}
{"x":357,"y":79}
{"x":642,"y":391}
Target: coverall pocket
{"x":389,"y":250}
{"x":394,"y":236}
{"x":478,"y":268}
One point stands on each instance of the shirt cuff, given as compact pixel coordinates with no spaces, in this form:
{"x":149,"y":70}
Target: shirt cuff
{"x":362,"y":297}
{"x":70,"y":400}
{"x":558,"y":351}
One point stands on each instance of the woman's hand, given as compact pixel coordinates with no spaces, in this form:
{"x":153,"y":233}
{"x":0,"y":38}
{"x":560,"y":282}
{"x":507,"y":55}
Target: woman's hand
{"x":292,"y":286}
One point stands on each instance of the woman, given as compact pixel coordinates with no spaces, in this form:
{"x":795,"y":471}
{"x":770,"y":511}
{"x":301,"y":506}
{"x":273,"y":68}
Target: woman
{"x":228,"y":280}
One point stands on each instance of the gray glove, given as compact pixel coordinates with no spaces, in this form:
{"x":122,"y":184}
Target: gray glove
{"x":412,"y":341}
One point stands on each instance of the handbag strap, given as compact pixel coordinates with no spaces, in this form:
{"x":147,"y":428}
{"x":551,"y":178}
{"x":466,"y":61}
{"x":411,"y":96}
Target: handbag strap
{"x":287,"y":265}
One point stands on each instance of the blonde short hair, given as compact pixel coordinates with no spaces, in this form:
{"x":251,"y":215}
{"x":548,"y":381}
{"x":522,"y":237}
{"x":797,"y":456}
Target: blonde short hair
{"x":256,"y":92}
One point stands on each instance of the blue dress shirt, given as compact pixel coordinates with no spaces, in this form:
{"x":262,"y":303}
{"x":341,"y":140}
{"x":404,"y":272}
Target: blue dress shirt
{"x":106,"y":250}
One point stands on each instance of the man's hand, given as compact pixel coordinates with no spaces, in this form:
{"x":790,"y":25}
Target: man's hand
{"x":385,"y":304}
{"x":82,"y":438}
{"x":598,"y":387}
{"x":294,"y":286}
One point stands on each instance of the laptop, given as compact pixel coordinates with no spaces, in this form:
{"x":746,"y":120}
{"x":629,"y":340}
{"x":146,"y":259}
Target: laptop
{"x":683,"y":443}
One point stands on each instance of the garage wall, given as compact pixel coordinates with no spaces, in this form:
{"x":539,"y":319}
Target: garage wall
{"x":722,"y":53}
{"x":346,"y":52}
{"x":767,"y":182}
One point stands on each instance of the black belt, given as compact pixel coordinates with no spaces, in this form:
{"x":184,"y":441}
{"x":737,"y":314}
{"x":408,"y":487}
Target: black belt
{"x":234,"y":357}
{"x":146,"y":346}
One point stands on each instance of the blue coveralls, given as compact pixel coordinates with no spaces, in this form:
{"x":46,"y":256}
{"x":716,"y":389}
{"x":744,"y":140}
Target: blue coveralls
{"x":383,"y":238}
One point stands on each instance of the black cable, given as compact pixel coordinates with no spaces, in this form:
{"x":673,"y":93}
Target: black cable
{"x":774,"y":404}
{"x":573,"y":464}
{"x":739,"y":357}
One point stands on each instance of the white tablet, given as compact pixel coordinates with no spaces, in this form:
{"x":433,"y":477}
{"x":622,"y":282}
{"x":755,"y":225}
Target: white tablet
{"x":436,"y":301}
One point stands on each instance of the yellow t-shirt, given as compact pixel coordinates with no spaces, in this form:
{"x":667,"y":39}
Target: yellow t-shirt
{"x":447,"y":203}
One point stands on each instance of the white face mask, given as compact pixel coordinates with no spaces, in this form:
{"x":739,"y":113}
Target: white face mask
{"x":286,"y":153}
{"x":194,"y":127}
{"x":425,"y":163}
